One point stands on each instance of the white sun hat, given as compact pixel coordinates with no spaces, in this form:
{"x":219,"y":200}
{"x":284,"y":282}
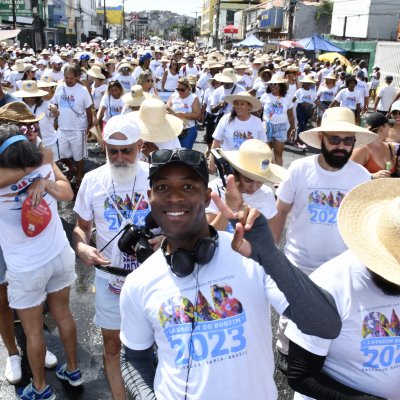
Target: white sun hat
{"x":245,"y":96}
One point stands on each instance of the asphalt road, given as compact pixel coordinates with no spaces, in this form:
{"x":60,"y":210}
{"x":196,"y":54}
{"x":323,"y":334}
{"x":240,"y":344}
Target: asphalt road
{"x":89,"y":337}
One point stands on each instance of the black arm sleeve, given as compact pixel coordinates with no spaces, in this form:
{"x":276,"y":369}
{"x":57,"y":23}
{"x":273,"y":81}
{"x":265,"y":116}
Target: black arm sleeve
{"x":137,"y":368}
{"x":305,"y":376}
{"x":312,"y":308}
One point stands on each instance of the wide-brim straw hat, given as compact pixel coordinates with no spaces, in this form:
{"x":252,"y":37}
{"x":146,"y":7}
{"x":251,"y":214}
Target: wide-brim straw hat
{"x":254,"y":161}
{"x":95,"y":72}
{"x":278,"y":79}
{"x":292,"y":68}
{"x":307,"y":79}
{"x":135,"y":97}
{"x":164,"y":59}
{"x":46,"y":81}
{"x":226,"y":76}
{"x":29,"y":89}
{"x":245,"y":96}
{"x":125,"y":65}
{"x":338,"y":119}
{"x":154,"y":123}
{"x":18,"y":112}
{"x":330,"y":76}
{"x":19,"y":66}
{"x":369,"y":223}
{"x":240,"y":66}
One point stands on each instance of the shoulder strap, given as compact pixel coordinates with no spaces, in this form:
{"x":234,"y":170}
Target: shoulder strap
{"x":233,"y":89}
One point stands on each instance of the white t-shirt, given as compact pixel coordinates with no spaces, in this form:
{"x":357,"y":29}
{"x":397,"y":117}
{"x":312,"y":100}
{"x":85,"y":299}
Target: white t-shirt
{"x":262,"y":199}
{"x":232,"y":335}
{"x":233,"y":134}
{"x":97,"y":94}
{"x":97,"y":200}
{"x":126,"y":82}
{"x":207,"y":99}
{"x":186,"y":70}
{"x":112,"y":106}
{"x":349,"y":99}
{"x":47,"y":131}
{"x":171,"y":81}
{"x":23,"y":253}
{"x":326,"y":94}
{"x":203,"y":82}
{"x":158,"y":74}
{"x":220,"y":94}
{"x":260,"y":86}
{"x":12,"y":78}
{"x":245,"y":81}
{"x":184,"y":106}
{"x":56,"y":76}
{"x":276,"y":108}
{"x":362,"y":88}
{"x":154,"y":64}
{"x":72,"y":103}
{"x":305,"y":96}
{"x":387,"y":95}
{"x":365,"y":356}
{"x":312,"y":236}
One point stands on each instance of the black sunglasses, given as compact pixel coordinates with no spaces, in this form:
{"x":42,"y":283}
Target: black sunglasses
{"x":395,"y":112}
{"x":180,"y":89}
{"x":336,"y":140}
{"x":164,"y":156}
{"x":114,"y":152}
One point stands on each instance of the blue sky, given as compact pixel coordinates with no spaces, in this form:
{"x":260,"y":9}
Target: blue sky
{"x":184,"y":7}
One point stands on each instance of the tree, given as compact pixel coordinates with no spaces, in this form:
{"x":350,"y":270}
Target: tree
{"x":324,"y":10}
{"x":188,"y":32}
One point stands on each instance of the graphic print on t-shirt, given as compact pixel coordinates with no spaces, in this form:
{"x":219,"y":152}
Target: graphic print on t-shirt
{"x":380,"y":344}
{"x":240,"y":137}
{"x":275,"y":108}
{"x":126,"y":207}
{"x":67,"y":101}
{"x":212,"y":333}
{"x":323,"y":206}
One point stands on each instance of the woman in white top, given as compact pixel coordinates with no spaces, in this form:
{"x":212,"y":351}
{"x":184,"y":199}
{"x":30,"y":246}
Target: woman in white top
{"x":170,"y":77}
{"x":98,"y":86}
{"x":146,"y":81}
{"x":185,"y":105}
{"x":111,"y":104}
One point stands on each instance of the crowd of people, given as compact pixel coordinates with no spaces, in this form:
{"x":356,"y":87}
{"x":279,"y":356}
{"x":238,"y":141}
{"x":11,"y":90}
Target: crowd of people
{"x":187,"y":267}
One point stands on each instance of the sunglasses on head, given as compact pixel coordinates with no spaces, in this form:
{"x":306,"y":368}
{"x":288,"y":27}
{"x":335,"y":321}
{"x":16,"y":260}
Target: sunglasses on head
{"x":113,"y":151}
{"x":164,"y":156}
{"x":336,"y":140}
{"x":25,"y":128}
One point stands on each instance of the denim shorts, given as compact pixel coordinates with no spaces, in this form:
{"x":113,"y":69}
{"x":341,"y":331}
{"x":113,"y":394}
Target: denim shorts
{"x":107,"y":314}
{"x":30,"y":289}
{"x":3,"y":268}
{"x":277,"y":132}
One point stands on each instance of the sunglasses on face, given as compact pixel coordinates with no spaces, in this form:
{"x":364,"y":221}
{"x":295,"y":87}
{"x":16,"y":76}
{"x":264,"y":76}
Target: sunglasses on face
{"x":149,"y":80}
{"x":114,"y":152}
{"x":395,"y":112}
{"x":273,"y":84}
{"x":189,"y":157}
{"x":180,"y":89}
{"x":26,"y":128}
{"x":336,"y":140}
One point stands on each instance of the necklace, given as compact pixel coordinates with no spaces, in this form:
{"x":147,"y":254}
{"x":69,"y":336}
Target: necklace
{"x":116,"y":202}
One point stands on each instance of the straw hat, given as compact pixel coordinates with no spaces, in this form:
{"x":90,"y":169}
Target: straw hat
{"x":19,"y":66}
{"x":125,"y":65}
{"x":30,"y":67}
{"x":245,"y":96}
{"x":226,"y":76}
{"x":369,"y":223}
{"x":241,"y":65}
{"x":292,"y":68}
{"x":330,"y":76}
{"x":135,"y":97}
{"x":192,"y":79}
{"x":95,"y":72}
{"x":29,"y":89}
{"x":307,"y":79}
{"x":254,"y":161}
{"x":277,"y":79}
{"x":213,"y":64}
{"x":154,"y":123}
{"x":338,"y":119}
{"x":164,"y":59}
{"x":18,"y":112}
{"x":45,"y":52}
{"x":46,"y":81}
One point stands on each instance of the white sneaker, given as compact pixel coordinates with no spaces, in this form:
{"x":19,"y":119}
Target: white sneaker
{"x":50,"y":360}
{"x":13,"y":372}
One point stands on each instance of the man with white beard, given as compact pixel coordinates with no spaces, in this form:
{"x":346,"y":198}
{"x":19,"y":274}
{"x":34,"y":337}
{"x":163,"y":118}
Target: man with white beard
{"x":111,"y":197}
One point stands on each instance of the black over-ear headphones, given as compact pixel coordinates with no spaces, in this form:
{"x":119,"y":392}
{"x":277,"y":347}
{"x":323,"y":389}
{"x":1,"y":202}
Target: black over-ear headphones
{"x":182,"y":261}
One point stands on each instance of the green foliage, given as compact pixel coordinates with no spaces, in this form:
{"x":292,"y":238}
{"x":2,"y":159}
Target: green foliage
{"x":188,"y":32}
{"x":324,"y":10}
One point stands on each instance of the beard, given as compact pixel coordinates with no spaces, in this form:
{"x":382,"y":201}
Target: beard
{"x":386,"y":287}
{"x":122,"y":173}
{"x":336,"y":158}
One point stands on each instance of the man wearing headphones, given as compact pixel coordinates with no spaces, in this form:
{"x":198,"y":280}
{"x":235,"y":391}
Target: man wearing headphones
{"x":205,"y":305}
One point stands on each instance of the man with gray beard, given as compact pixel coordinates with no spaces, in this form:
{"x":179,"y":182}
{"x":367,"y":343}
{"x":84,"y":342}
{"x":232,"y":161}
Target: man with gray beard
{"x":111,"y":197}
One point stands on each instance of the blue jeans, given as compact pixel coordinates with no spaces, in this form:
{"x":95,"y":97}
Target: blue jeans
{"x":188,"y":140}
{"x":304,"y":113}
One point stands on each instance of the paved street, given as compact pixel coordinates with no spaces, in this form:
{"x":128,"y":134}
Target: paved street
{"x":89,"y":338}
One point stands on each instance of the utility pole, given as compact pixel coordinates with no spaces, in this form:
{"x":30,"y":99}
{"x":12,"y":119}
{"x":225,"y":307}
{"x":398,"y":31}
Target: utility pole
{"x":123,"y":19}
{"x":105,"y":31}
{"x":216,"y":34}
{"x":292,"y":6}
{"x":14,"y":14}
{"x":344,"y":28}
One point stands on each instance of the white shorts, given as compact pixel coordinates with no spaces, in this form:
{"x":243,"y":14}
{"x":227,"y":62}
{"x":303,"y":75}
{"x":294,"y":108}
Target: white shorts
{"x":72,"y":144}
{"x":30,"y":289}
{"x":107,"y":315}
{"x":55,"y":148}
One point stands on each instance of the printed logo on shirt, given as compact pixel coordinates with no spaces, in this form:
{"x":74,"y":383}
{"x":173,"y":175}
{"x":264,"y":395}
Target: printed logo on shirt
{"x":323,"y":208}
{"x":125,"y":84}
{"x":275,"y":108}
{"x":327,"y":96}
{"x":115,"y":110}
{"x":380,"y":344}
{"x":306,"y":98}
{"x":181,"y":107}
{"x":350,"y":102}
{"x":211,"y":334}
{"x":67,"y":101}
{"x":240,"y":137}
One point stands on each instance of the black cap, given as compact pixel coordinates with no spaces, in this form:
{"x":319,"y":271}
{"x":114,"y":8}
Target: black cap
{"x":193,"y":159}
{"x":376,"y":120}
{"x":389,"y":77}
